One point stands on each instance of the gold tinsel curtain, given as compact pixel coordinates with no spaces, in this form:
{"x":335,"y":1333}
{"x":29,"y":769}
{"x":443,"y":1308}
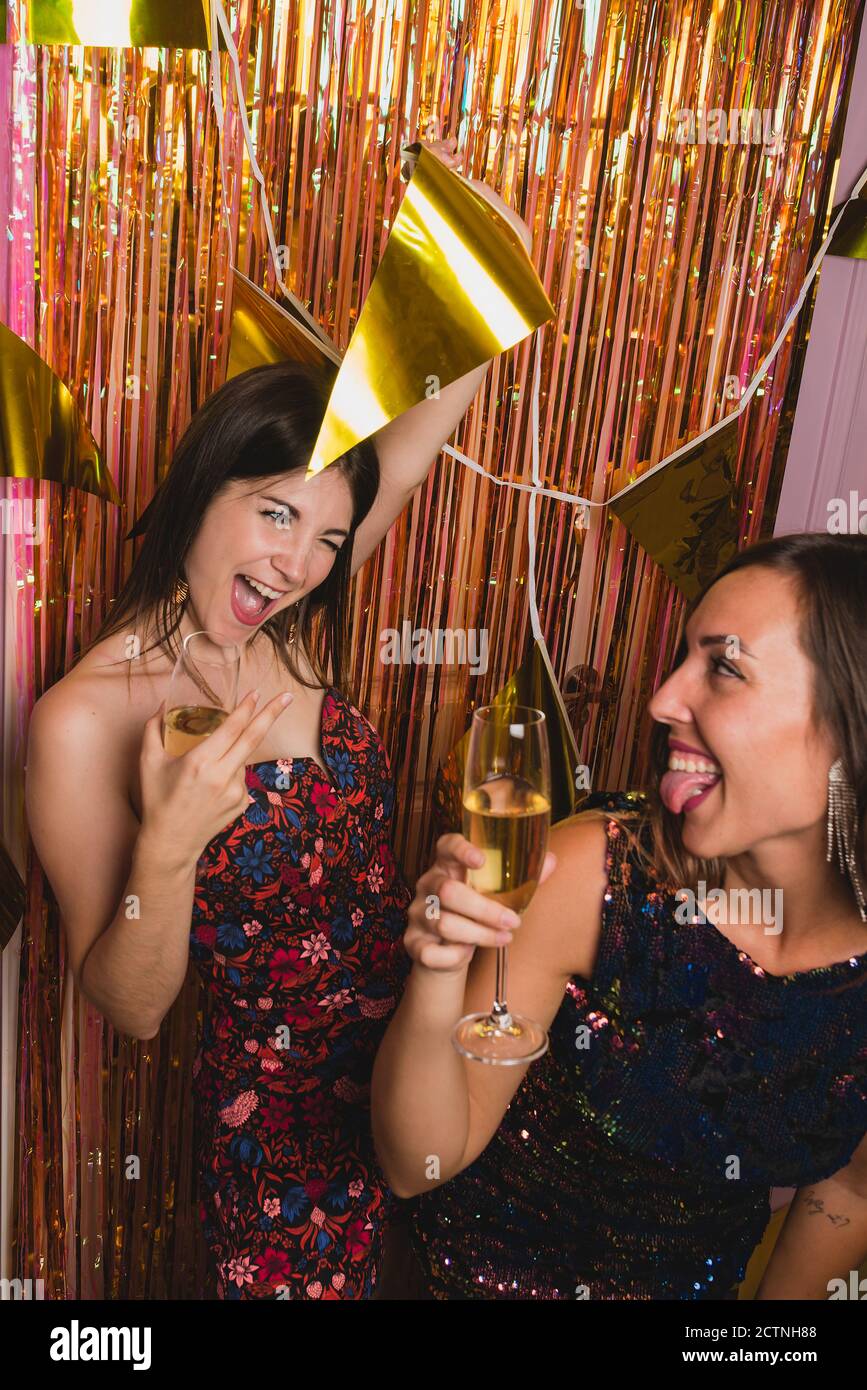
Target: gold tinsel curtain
{"x":671,"y":264}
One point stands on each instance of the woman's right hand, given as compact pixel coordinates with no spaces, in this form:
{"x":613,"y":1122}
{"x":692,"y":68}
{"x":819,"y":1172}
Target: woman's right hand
{"x":447,"y":918}
{"x":188,"y":799}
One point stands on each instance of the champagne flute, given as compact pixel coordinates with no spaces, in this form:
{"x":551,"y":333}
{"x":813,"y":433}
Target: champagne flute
{"x":507,"y":813}
{"x":202,"y":692}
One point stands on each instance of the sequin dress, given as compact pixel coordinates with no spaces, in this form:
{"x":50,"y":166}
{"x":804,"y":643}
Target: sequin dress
{"x":682,"y":1083}
{"x":298,"y":917}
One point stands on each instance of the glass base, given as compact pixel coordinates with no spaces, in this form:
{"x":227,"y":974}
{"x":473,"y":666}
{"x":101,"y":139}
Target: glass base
{"x":505,"y":1041}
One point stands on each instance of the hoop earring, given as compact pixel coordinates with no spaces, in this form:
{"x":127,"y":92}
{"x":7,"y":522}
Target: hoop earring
{"x":842,"y":831}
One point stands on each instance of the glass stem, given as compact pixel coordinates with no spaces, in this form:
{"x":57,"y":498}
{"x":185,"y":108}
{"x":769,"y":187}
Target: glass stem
{"x":500,"y":1011}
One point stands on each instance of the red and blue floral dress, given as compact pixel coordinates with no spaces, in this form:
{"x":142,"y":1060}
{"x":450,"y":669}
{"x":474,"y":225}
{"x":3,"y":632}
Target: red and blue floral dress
{"x":298,"y":918}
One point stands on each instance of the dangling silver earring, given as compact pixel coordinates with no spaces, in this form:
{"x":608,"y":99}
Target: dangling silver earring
{"x":843,"y":831}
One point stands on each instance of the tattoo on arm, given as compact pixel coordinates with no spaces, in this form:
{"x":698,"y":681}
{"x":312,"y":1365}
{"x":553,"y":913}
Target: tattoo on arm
{"x":816,"y":1207}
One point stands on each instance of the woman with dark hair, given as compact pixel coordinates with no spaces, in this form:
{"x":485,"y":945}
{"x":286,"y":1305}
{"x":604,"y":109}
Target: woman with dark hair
{"x":699,"y":955}
{"x":264,"y":851}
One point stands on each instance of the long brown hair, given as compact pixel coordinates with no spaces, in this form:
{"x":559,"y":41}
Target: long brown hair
{"x":259,"y":424}
{"x":830,"y":574}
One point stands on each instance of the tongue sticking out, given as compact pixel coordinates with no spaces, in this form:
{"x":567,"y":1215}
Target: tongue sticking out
{"x":677,"y":788}
{"x":248,"y":599}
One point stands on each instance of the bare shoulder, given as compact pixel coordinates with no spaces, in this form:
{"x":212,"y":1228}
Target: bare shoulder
{"x":72,"y":759}
{"x":84,"y":695}
{"x":82,"y":744}
{"x":68,"y":708}
{"x":91,"y":715}
{"x":570,"y":901}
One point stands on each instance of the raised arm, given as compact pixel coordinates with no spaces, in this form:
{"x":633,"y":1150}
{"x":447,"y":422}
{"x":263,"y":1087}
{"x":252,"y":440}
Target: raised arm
{"x":407,"y":448}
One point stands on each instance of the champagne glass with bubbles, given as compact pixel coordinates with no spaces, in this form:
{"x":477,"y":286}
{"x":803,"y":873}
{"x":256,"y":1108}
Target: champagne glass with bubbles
{"x":506,"y":813}
{"x":202,"y":692}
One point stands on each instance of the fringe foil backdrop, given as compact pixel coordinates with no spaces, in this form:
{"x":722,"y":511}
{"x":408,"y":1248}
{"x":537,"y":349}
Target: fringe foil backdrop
{"x":671,"y":265}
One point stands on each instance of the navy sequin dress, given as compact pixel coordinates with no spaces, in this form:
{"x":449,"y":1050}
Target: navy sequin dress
{"x":682,"y":1083}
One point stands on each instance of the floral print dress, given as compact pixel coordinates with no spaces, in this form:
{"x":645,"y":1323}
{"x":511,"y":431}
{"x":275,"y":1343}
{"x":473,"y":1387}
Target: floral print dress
{"x":298,"y":918}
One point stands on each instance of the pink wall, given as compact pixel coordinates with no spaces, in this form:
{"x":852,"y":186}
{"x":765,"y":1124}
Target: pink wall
{"x":828,"y":450}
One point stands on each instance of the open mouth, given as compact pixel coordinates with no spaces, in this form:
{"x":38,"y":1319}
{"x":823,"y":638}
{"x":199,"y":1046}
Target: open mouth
{"x":690,"y":779}
{"x":253,"y":601}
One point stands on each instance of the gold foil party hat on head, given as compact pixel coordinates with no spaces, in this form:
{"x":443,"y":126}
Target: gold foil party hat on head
{"x":454,"y":288}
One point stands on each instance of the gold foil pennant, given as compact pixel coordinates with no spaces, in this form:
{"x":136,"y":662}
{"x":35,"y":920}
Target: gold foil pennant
{"x":118,"y":23}
{"x":263,"y":331}
{"x":684,"y":516}
{"x":12,"y":896}
{"x":850,"y":238}
{"x":454,"y":288}
{"x":43,"y":434}
{"x":533,"y":684}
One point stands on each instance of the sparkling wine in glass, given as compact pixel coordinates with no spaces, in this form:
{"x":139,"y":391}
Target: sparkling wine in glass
{"x":506,"y":813}
{"x":202,"y":692}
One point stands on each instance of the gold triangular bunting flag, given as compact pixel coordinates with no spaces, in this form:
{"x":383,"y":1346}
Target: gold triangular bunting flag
{"x":850,"y":238}
{"x":119,"y":23}
{"x":454,"y":288}
{"x":43,"y":434}
{"x":264,"y":331}
{"x":684,"y":516}
{"x":11,"y":897}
